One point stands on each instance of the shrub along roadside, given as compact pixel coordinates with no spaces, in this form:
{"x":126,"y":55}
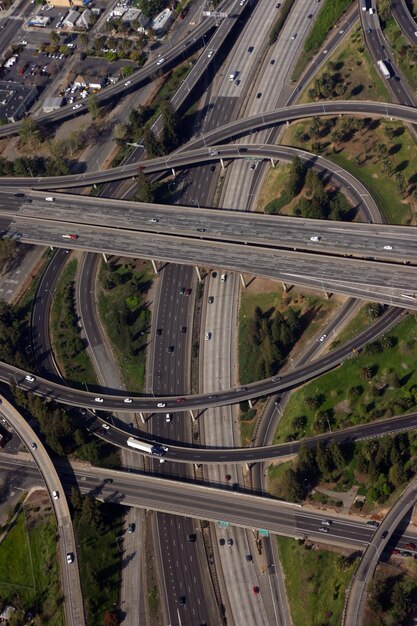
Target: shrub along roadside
{"x":283,"y":14}
{"x":68,"y":345}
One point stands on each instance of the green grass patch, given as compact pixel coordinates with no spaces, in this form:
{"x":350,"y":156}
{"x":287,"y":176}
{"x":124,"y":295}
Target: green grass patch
{"x":357,"y":324}
{"x":67,"y":343}
{"x":153,"y":600}
{"x":360,"y":154}
{"x":316,"y":581}
{"x":345,"y":398}
{"x":125,"y":315}
{"x":351,"y":65}
{"x":29,"y":577}
{"x":330,"y":12}
{"x":98,"y":527}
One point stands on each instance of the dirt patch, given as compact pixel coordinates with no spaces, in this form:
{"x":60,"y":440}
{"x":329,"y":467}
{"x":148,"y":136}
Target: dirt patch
{"x":37,"y":505}
{"x":343,"y":407}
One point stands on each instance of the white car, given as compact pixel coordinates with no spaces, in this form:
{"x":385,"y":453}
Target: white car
{"x":294,"y":36}
{"x":30,"y":379}
{"x":168,"y":417}
{"x":105,"y":426}
{"x":55,"y":494}
{"x":50,"y":199}
{"x":323,"y":530}
{"x":161,"y":405}
{"x":77,"y":106}
{"x":153,"y":220}
{"x":160,"y":61}
{"x":127,"y":83}
{"x":315,"y":238}
{"x":210,"y":53}
{"x":128,"y":400}
{"x":387,"y":247}
{"x":322,"y":338}
{"x":23,"y":43}
{"x":70,"y":557}
{"x":207,"y":336}
{"x":98,"y":400}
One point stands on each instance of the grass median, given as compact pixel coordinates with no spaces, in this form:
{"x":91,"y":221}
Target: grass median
{"x":69,"y":348}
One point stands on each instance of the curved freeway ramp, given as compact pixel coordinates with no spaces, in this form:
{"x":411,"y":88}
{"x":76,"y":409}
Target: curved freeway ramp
{"x":70,"y":578}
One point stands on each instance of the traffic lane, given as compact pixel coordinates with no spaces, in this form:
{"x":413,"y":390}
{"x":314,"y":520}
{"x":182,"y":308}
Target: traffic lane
{"x":378,"y":240}
{"x":61,"y":393}
{"x":380,"y":281}
{"x":405,"y":20}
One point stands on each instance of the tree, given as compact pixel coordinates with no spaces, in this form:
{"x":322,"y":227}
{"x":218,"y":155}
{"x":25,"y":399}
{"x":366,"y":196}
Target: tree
{"x":170,"y":137}
{"x":93,"y":107}
{"x":153,"y":147}
{"x":374,"y":310}
{"x":312,"y":402}
{"x":296,"y":177}
{"x":54,"y":37}
{"x":30,"y":132}
{"x":389,"y":131}
{"x":83,"y":39}
{"x":144,"y":191}
{"x":365,"y":372}
{"x":110,"y":618}
{"x":292,"y":488}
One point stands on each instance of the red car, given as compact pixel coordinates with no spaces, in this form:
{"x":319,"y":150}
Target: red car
{"x":410,"y":546}
{"x":256,"y":589}
{"x":70,"y":236}
{"x":181,"y":399}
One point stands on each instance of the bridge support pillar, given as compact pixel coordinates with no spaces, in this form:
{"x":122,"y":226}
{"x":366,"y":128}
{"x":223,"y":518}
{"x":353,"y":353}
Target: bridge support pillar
{"x":222,"y":164}
{"x":104,"y":257}
{"x":51,"y":247}
{"x":193,"y":417}
{"x":250,"y":403}
{"x":142,"y":417}
{"x":285,"y":288}
{"x":173,"y":172}
{"x":242,"y":280}
{"x":198,"y":274}
{"x":155,"y":269}
{"x":273,"y":162}
{"x":327,"y":294}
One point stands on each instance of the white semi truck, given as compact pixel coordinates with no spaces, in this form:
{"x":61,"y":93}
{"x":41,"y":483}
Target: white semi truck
{"x":150,"y":448}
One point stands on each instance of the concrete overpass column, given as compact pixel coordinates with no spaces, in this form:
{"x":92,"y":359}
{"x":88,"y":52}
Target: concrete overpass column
{"x":104,"y":257}
{"x":198,"y":274}
{"x":155,"y":269}
{"x":273,"y":162}
{"x":285,"y":288}
{"x":51,"y":247}
{"x":142,"y":417}
{"x":250,"y":403}
{"x":193,"y":417}
{"x":242,"y":280}
{"x":222,"y":164}
{"x":173,"y":172}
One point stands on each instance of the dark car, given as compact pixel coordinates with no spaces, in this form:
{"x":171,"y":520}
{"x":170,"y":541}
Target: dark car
{"x":182,"y":291}
{"x":131,"y":528}
{"x":250,"y":49}
{"x":222,"y":541}
{"x":384,"y":534}
{"x":192,"y":537}
{"x":259,"y":94}
{"x":183,"y":329}
{"x":230,"y":541}
{"x":181,"y":600}
{"x":108,"y":481}
{"x":372,"y":522}
{"x":211,"y":299}
{"x":256,"y":589}
{"x":188,"y":292}
{"x":170,"y":349}
{"x":159,"y":331}
{"x":249,"y":557}
{"x":214,"y":274}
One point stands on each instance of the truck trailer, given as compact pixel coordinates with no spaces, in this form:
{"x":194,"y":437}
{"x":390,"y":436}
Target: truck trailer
{"x":150,"y":448}
{"x":384,"y":69}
